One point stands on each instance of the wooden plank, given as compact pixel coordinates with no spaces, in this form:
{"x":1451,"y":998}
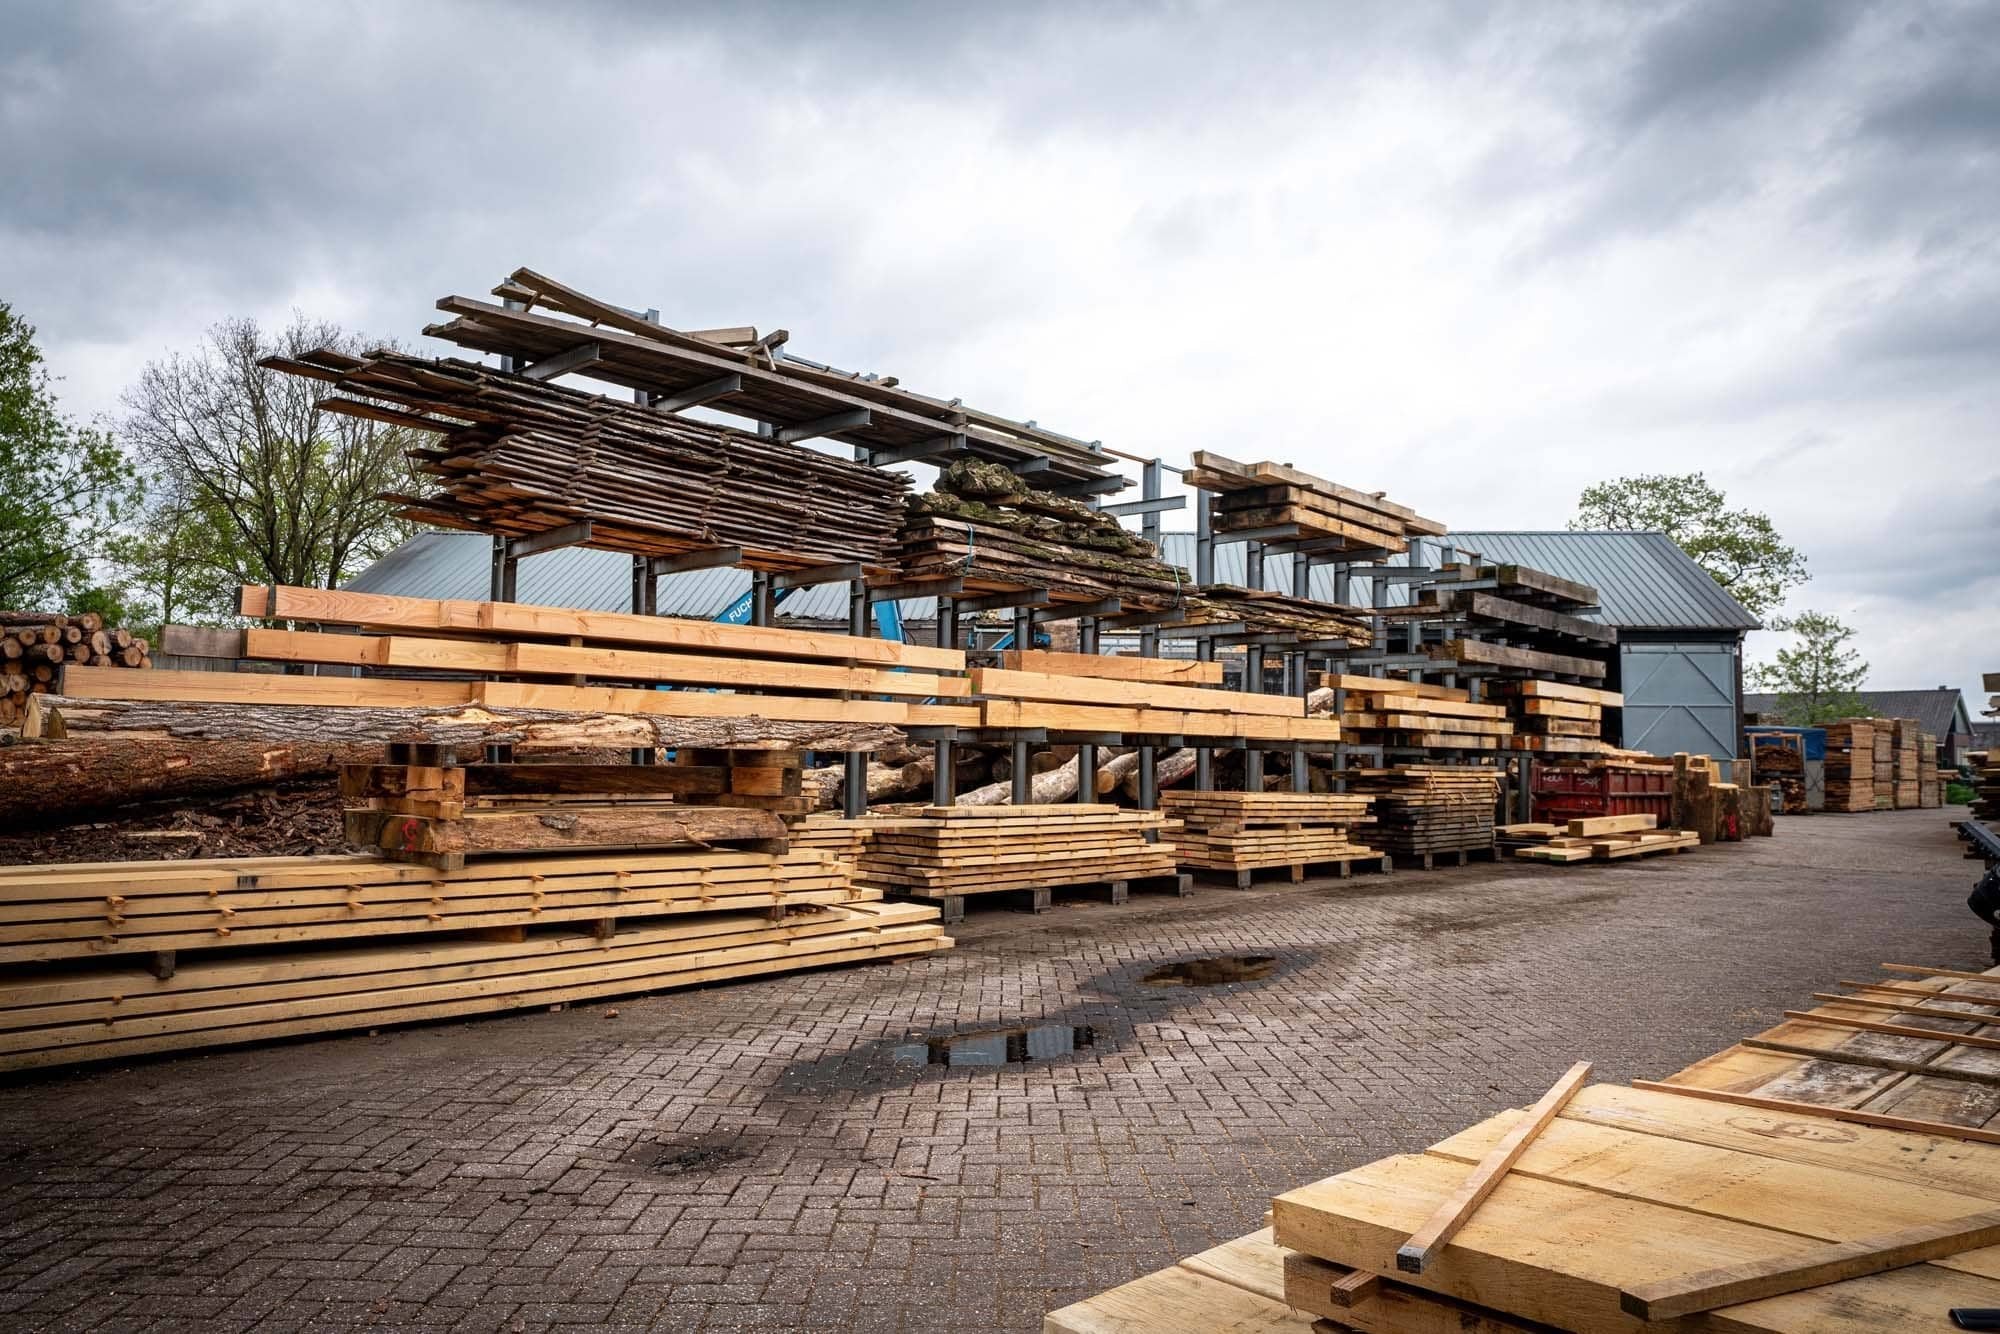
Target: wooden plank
{"x":1092,"y":718}
{"x":1167,"y":671}
{"x":702,"y":704}
{"x":1388,"y":685}
{"x":383,"y":611}
{"x":261,"y":688}
{"x":1874,"y":1062}
{"x":1415,"y":1254}
{"x":1135,"y":694}
{"x":1607,"y":699}
{"x":1488,"y":607}
{"x":1797,"y":1108}
{"x":1756,"y":1280}
{"x":1897,"y":1030}
{"x":1591,"y":826}
{"x":1479,"y":653}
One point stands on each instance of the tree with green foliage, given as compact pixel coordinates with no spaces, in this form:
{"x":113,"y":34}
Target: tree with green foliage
{"x":1816,"y":679}
{"x":179,"y":564}
{"x":1740,"y":549}
{"x":265,"y":486}
{"x":64,"y":488}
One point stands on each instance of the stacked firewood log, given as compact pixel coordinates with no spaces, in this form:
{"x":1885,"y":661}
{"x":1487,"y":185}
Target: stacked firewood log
{"x":521,"y":457}
{"x":34,"y":646}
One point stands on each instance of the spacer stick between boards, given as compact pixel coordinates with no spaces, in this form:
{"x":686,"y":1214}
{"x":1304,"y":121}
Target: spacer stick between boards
{"x":1453,"y":1214}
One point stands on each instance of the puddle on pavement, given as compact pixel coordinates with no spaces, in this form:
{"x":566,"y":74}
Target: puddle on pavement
{"x":998,"y":1046}
{"x":1213,"y":972}
{"x":692,"y":1155}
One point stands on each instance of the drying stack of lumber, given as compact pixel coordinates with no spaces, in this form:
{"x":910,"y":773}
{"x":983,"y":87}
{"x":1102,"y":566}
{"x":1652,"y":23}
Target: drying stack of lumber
{"x":1380,"y":711}
{"x":585,"y":673}
{"x":1839,"y":1174}
{"x":1260,"y":611}
{"x":948,"y":852}
{"x":36,"y":646}
{"x":1905,"y":763}
{"x":1597,"y":838}
{"x":1239,"y":832}
{"x":1884,"y":767}
{"x":1554,"y":718}
{"x":986,"y":530}
{"x":1522,"y":621}
{"x":1930,"y":784}
{"x":1281,"y":502}
{"x":1425,"y":809}
{"x":520,"y":457}
{"x":1085,"y":692}
{"x":418,"y":807}
{"x":1850,"y":765}
{"x":834,"y":835}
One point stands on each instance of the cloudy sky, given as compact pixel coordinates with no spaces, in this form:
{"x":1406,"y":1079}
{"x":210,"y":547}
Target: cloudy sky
{"x":1477,"y":255}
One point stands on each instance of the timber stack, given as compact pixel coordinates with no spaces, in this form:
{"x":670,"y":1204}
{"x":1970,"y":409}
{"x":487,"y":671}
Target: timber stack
{"x":1905,"y":764}
{"x":1883,"y":770}
{"x":35,"y":647}
{"x":1238,"y":833}
{"x":1594,"y":838}
{"x":1866,"y":1123}
{"x":986,"y":531}
{"x":1424,"y":810}
{"x":1850,"y":765}
{"x":519,"y":457}
{"x":1261,"y":612}
{"x":1281,"y":503}
{"x":1520,"y":622}
{"x":947,"y":853}
{"x":1556,"y":718}
{"x":1087,"y":692}
{"x":1393,"y":713}
{"x":1930,"y":783}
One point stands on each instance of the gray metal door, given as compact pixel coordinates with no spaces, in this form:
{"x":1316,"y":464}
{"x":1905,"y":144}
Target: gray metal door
{"x":1681,"y":696}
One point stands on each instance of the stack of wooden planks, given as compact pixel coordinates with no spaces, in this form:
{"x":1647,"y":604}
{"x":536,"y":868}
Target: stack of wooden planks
{"x":97,"y":960}
{"x":1850,"y":766}
{"x":949,"y":852}
{"x":986,"y":531}
{"x":1884,"y":767}
{"x":1555,"y":718}
{"x":568,"y":661}
{"x":520,"y":457}
{"x":1087,"y":692}
{"x":1596,"y":838}
{"x":1237,"y":833}
{"x":35,"y":647}
{"x":1260,"y":611}
{"x":1839,"y":1174}
{"x":834,"y":835}
{"x":1905,"y":764}
{"x":1422,"y":810}
{"x":1386,"y":712}
{"x":1280,"y":502}
{"x":1930,"y":786}
{"x":1534,"y":619}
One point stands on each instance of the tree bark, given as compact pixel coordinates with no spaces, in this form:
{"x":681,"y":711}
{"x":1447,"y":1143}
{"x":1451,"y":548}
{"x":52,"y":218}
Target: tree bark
{"x":546,"y":731}
{"x":1175,"y":768}
{"x":48,"y":782}
{"x":1058,"y":784}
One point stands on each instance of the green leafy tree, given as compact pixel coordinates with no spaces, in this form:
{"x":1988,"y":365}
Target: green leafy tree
{"x":64,"y":488}
{"x":1740,"y":549}
{"x":1816,"y":679}
{"x":269,"y":487}
{"x":180,"y":563}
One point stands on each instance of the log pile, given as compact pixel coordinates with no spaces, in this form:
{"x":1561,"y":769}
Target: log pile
{"x":1283,"y":503}
{"x":947,"y":852}
{"x":1384,"y":712}
{"x":519,"y":457}
{"x":1850,"y":765}
{"x":987,"y":529}
{"x":36,"y":646}
{"x":1236,"y":832}
{"x":1425,"y":809}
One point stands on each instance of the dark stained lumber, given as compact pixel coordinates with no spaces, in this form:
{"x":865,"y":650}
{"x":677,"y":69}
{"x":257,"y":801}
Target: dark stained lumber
{"x":1505,"y":611}
{"x":1473,"y":652}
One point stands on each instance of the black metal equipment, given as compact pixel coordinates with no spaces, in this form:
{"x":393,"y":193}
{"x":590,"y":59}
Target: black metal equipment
{"x":1984,"y":843}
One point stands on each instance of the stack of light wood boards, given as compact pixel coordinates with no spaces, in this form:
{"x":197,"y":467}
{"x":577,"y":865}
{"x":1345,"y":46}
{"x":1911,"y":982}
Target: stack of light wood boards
{"x":1758,"y":1191}
{"x":36,"y":646}
{"x":422,"y":653}
{"x":95,"y":962}
{"x":1555,"y":718}
{"x":1379,"y":711}
{"x":834,"y":835}
{"x":520,"y":457}
{"x":1595,"y":838}
{"x":1905,"y":764}
{"x":1240,"y":832}
{"x":948,"y":852}
{"x":1850,"y":766}
{"x":1086,"y":692}
{"x":1425,"y":809}
{"x":1281,"y":502}
{"x":987,"y":531}
{"x":1930,"y":784}
{"x":1884,"y":768}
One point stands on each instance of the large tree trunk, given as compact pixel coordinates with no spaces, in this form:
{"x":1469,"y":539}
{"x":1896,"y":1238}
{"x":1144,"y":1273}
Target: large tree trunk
{"x":459,"y":726}
{"x":1058,"y":784}
{"x":1114,"y":771}
{"x":56,"y":781}
{"x":1175,"y":768}
{"x":884,"y":780}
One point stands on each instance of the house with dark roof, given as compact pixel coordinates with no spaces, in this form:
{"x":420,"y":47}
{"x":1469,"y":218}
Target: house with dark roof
{"x":1941,"y":712}
{"x":1679,"y":661}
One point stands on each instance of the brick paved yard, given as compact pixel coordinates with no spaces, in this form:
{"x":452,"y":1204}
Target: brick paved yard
{"x":755,"y":1157}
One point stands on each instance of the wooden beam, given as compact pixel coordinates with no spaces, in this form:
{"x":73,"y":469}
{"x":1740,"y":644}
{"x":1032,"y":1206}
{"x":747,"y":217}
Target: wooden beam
{"x":1137,"y":694}
{"x":1168,"y":671}
{"x":722,"y":386}
{"x":1899,"y":1030}
{"x":579,"y":358}
{"x":1942,"y":972}
{"x":1791,"y":1106}
{"x":1872,"y":1062}
{"x":1355,"y":1288}
{"x":1413,"y":1255}
{"x":1915,"y":1007}
{"x":1730,"y":1285}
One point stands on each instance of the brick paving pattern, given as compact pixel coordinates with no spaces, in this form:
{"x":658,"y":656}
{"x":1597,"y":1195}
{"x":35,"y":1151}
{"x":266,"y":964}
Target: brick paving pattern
{"x":754,"y":1156}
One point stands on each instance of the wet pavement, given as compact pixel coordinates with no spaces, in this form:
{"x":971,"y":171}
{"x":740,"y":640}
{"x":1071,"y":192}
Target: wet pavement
{"x":1062,"y":1103}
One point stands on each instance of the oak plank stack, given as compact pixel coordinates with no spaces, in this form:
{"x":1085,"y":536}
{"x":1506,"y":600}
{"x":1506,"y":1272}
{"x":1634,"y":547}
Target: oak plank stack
{"x":1240,"y":832}
{"x":1425,"y":809}
{"x":1850,"y":765}
{"x":1406,"y":713}
{"x":948,"y":852}
{"x":1554,"y":717}
{"x":1283,"y":502}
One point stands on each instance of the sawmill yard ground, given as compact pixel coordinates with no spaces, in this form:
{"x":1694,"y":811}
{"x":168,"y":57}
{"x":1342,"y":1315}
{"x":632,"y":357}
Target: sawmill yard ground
{"x":756,"y":1156}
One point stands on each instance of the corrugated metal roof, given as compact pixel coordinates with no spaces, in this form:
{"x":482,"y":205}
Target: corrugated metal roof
{"x":1939,"y":712}
{"x":1644,"y":581}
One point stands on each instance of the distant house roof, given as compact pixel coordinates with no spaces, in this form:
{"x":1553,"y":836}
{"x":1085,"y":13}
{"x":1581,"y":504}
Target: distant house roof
{"x":1941,"y":712}
{"x":1644,"y":581}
